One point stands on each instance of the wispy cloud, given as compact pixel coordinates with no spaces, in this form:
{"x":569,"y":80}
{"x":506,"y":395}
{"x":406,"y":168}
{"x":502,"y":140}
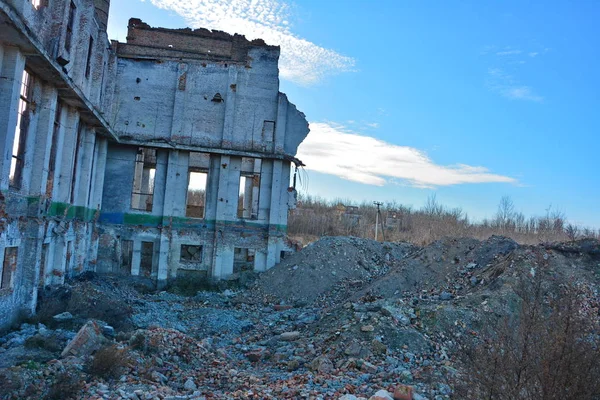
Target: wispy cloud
{"x":301,"y":61}
{"x":508,"y":53}
{"x":506,"y":85}
{"x":333,"y":149}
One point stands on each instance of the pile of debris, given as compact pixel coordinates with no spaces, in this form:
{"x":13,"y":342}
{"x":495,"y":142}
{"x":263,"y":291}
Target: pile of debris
{"x":344,"y":318}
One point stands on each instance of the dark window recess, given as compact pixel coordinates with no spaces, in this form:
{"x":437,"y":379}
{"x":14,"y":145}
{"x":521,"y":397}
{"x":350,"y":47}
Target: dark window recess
{"x":53,"y":150}
{"x":217,"y":98}
{"x":191,"y":253}
{"x":76,"y":161}
{"x":126,"y":256}
{"x":70,"y":24}
{"x":142,"y":196}
{"x":43,"y":262}
{"x":146,"y":259}
{"x":243,"y":259}
{"x":88,"y":64}
{"x":23,"y":116}
{"x":9,"y":267}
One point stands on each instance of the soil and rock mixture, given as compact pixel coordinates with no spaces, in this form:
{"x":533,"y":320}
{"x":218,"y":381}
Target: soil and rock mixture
{"x":344,"y":318}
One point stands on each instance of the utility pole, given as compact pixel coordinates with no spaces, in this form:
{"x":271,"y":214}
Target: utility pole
{"x":378,"y":204}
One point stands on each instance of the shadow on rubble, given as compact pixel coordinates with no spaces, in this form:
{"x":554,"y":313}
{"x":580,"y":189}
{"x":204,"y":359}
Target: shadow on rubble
{"x":81,"y":299}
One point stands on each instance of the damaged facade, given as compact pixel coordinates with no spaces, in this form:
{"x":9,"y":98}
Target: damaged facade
{"x":166,"y":156}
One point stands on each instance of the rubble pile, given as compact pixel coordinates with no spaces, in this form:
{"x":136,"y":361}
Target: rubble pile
{"x":343,"y":319}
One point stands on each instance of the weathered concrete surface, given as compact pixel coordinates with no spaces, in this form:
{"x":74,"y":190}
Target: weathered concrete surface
{"x":70,"y":137}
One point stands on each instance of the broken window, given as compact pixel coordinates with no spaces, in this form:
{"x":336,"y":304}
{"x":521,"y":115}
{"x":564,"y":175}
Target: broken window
{"x":8,"y":267}
{"x":88,"y":64}
{"x":37,"y":4}
{"x":146,"y":259}
{"x":243,"y":259}
{"x":249,"y":188}
{"x":126,"y":256}
{"x":142,"y":195}
{"x":53,"y":150}
{"x":197,"y":178}
{"x":18,"y":153}
{"x":69,"y":259}
{"x":191,"y":253}
{"x":70,"y":24}
{"x":43,"y":262}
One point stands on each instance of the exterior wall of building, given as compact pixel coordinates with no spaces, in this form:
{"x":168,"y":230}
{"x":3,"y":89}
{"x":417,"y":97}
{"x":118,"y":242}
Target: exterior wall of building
{"x":50,"y":197}
{"x":76,"y":138}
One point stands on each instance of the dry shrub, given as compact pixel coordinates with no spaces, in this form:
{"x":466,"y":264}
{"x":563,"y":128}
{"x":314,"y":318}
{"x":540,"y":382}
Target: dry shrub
{"x":109,"y":362}
{"x":66,"y":385}
{"x":549,"y":351}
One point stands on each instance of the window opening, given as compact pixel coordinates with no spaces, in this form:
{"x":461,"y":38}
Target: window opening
{"x":18,"y":153}
{"x":126,"y":256}
{"x":9,"y":266}
{"x":53,"y":149}
{"x":243,"y":259}
{"x":249,"y":190}
{"x":69,"y":259}
{"x":191,"y":253}
{"x":70,"y":24}
{"x":142,"y":195}
{"x":146,"y":259}
{"x":88,"y":63}
{"x":37,"y":4}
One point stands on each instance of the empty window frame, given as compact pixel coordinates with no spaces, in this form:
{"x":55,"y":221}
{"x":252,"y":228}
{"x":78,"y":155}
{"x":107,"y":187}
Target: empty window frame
{"x":126,"y":256}
{"x":53,"y":150}
{"x":25,"y":109}
{"x":249,"y":190}
{"x":243,"y":259}
{"x":146,"y":259}
{"x":70,"y":25}
{"x":9,"y":266}
{"x":142,"y":196}
{"x":197,"y":180}
{"x":191,"y":254}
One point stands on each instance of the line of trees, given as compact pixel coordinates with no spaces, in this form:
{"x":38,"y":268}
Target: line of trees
{"x":316,"y":217}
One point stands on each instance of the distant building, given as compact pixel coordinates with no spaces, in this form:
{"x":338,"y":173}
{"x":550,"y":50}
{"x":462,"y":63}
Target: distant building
{"x":165,"y":156}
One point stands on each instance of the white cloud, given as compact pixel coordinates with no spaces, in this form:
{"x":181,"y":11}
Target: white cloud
{"x":506,"y":85}
{"x":301,"y":61}
{"x":335,"y":150}
{"x":509,"y":53}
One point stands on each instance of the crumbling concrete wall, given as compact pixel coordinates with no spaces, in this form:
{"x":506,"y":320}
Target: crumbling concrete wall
{"x":52,"y":145}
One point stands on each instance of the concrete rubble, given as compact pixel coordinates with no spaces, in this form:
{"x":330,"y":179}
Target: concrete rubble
{"x":237,"y":344}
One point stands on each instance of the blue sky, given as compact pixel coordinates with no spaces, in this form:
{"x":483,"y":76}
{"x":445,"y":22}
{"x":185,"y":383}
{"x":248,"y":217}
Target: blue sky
{"x":469,"y":100}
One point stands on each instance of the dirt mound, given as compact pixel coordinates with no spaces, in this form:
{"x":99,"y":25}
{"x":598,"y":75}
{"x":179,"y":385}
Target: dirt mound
{"x":328,"y":264}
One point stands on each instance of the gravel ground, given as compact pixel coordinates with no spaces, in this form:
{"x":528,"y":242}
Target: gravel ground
{"x":343,"y":317}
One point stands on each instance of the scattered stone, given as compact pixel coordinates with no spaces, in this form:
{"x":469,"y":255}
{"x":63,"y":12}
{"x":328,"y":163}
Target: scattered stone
{"x":381,"y":395}
{"x":189,"y":385}
{"x":367,"y":328}
{"x":62,"y":317}
{"x":403,"y":392}
{"x":289,"y":336}
{"x":88,"y":339}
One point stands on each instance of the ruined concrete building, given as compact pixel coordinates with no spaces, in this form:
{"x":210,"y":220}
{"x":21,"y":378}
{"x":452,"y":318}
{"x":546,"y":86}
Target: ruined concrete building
{"x":169,"y":155}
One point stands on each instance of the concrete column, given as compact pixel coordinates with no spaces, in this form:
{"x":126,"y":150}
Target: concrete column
{"x":280,"y":124}
{"x":86,"y":160}
{"x":222,"y":262}
{"x":230,"y":101}
{"x":168,"y":210}
{"x":64,"y":170}
{"x":13,"y":64}
{"x":136,"y":257}
{"x":43,"y":140}
{"x":273,"y":256}
{"x":95,"y":198}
